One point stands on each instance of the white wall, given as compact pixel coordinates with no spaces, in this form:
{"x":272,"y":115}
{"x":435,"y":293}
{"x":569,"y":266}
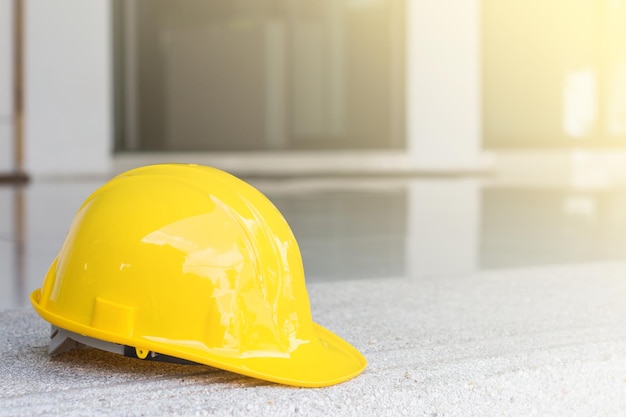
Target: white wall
{"x":443,"y":83}
{"x":6,"y":86}
{"x":68,"y":87}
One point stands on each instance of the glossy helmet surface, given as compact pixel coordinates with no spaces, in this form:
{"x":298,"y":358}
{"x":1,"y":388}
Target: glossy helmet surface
{"x":192,"y":262}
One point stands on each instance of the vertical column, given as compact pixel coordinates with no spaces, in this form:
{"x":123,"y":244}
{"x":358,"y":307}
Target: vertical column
{"x":6,"y":87}
{"x":275,"y":76}
{"x":68,"y":76}
{"x":443,"y":83}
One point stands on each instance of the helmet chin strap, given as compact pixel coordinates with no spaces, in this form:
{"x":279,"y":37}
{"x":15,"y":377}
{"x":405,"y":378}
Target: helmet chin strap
{"x":62,"y":340}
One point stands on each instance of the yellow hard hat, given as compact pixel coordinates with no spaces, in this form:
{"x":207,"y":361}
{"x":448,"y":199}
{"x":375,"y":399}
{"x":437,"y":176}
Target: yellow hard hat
{"x":190,"y":262}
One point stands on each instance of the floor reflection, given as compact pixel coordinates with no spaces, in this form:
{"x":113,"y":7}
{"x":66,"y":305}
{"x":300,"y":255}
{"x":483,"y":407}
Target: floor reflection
{"x":521,"y":227}
{"x":34,"y":219}
{"x":353,"y":229}
{"x":348,"y":234}
{"x":12,"y":245}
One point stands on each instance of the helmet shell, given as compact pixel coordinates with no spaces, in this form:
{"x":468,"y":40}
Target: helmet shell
{"x":192,"y":262}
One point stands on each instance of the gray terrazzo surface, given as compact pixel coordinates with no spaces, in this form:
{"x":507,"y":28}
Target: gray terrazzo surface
{"x":534,"y":341}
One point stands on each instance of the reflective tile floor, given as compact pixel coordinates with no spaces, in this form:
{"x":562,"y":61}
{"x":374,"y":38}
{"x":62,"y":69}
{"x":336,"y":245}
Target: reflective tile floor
{"x":364,"y":228}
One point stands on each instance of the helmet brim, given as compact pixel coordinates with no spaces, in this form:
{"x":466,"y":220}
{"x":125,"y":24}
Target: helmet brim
{"x":322,"y":361}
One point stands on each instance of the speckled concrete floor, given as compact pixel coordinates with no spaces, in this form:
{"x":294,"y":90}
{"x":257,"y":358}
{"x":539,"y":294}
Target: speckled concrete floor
{"x":544,"y":341}
{"x":466,"y":298}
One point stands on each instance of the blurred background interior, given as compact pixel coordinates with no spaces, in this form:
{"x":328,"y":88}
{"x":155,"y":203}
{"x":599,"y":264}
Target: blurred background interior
{"x":400,"y":138}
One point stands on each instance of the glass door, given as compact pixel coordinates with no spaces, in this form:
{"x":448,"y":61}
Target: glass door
{"x":208,"y":75}
{"x":554,"y":73}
